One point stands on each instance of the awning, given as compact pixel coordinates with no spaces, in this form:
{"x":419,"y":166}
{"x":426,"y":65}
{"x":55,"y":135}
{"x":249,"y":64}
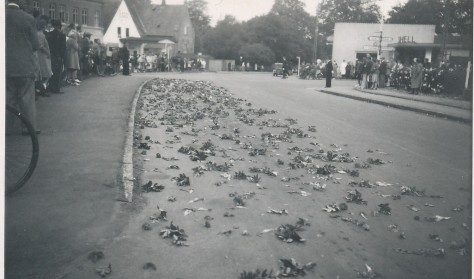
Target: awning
{"x":147,"y":39}
{"x":366,"y":51}
{"x":415,"y":45}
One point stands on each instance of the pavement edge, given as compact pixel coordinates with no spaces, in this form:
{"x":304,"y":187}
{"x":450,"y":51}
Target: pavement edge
{"x":418,"y":110}
{"x":127,"y":179}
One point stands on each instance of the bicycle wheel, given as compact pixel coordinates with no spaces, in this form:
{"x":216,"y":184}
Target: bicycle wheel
{"x":21,"y":150}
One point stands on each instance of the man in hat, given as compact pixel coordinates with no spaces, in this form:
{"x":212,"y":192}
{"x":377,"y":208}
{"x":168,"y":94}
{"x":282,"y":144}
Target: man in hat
{"x":21,"y":43}
{"x":57,"y":47}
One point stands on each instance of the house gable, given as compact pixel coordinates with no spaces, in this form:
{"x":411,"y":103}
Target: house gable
{"x":124,"y":20}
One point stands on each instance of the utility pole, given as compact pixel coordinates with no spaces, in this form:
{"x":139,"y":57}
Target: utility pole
{"x":316,"y":33}
{"x":445,"y":29}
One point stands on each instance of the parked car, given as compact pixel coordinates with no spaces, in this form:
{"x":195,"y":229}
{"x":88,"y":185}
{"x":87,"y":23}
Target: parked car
{"x":277,"y":69}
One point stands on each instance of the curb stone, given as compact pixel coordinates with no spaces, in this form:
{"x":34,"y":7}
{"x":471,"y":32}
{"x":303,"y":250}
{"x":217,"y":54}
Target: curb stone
{"x":418,"y":110}
{"x":127,"y":180}
{"x":412,"y":99}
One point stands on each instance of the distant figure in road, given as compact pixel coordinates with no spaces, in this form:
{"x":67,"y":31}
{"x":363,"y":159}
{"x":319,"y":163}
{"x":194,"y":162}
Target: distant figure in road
{"x":21,"y":41}
{"x":285,"y":68}
{"x":328,"y":70}
{"x":125,"y":56}
{"x":416,"y":76}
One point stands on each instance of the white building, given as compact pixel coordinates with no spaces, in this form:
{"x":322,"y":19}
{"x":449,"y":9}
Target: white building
{"x":354,"y":40}
{"x":401,"y":42}
{"x":143,"y":25}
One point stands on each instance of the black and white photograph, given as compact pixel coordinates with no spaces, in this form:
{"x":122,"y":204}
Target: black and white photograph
{"x":246,"y":139}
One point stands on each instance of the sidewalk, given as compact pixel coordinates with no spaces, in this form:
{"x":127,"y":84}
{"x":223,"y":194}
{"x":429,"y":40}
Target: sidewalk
{"x":457,"y":110}
{"x":69,"y":206}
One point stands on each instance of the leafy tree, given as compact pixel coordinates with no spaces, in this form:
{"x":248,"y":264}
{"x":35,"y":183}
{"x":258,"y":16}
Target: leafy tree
{"x":257,"y":53}
{"x":224,"y":40}
{"x":200,"y":20}
{"x":332,"y":11}
{"x":457,"y":14}
{"x":294,"y":12}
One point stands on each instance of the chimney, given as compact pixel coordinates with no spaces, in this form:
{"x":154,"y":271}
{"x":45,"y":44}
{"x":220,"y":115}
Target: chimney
{"x":163,"y":2}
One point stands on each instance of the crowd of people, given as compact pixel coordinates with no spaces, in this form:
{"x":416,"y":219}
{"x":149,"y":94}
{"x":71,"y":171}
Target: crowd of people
{"x":374,"y":73}
{"x":154,"y":62}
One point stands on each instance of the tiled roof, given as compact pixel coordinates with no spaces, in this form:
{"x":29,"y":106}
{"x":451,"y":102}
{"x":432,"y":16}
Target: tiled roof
{"x":157,"y":20}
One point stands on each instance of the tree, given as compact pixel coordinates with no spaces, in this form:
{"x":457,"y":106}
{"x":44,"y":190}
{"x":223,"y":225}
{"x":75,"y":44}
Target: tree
{"x":457,"y":14}
{"x":332,"y":11}
{"x":257,"y":53}
{"x":224,"y":40}
{"x":294,"y":12}
{"x":282,"y":36}
{"x":200,"y":20}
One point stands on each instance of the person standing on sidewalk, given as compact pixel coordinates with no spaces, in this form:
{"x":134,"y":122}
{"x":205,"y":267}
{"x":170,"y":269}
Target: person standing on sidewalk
{"x":359,"y":69}
{"x":416,"y":76}
{"x":72,"y":58}
{"x":375,"y":72}
{"x":328,"y":70}
{"x":383,"y":72}
{"x":21,"y":41}
{"x":366,"y":72}
{"x":57,"y":47}
{"x":43,"y":57}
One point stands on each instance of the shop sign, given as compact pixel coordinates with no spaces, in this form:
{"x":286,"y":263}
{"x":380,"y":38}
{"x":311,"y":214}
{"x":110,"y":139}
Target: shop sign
{"x":406,"y":39}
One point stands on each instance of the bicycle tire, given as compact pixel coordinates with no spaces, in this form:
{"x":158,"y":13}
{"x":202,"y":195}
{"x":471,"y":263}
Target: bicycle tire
{"x":24,"y":176}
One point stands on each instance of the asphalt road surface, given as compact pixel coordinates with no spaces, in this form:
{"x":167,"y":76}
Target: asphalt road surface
{"x":68,"y":208}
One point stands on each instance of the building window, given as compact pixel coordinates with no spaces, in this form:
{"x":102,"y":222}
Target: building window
{"x":97,"y":19}
{"x":84,"y":17}
{"x":75,"y":15}
{"x":119,"y":32}
{"x":127,"y":34}
{"x":62,"y":13}
{"x":52,"y":11}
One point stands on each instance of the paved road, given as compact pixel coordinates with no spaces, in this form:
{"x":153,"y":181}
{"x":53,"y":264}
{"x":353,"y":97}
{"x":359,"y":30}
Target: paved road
{"x":69,"y":209}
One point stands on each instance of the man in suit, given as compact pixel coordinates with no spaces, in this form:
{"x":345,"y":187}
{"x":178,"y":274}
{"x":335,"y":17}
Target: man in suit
{"x":328,"y":69}
{"x":21,"y":67}
{"x":125,"y":56}
{"x":57,"y":47}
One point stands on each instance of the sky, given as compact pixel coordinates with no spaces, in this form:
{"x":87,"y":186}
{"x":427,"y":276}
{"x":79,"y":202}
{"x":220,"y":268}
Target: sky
{"x":244,"y":10}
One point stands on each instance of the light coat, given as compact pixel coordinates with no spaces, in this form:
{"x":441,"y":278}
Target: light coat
{"x":44,"y":57}
{"x":72,"y":54}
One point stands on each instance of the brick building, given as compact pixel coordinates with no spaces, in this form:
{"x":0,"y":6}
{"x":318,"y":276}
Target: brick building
{"x":88,"y":13}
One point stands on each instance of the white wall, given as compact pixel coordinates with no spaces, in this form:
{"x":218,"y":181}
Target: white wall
{"x":123,"y":19}
{"x":352,"y":37}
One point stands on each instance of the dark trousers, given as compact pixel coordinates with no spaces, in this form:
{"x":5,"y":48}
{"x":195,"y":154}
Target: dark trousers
{"x":20,"y":94}
{"x":57,"y":68}
{"x":125,"y":67}
{"x":328,"y":80}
